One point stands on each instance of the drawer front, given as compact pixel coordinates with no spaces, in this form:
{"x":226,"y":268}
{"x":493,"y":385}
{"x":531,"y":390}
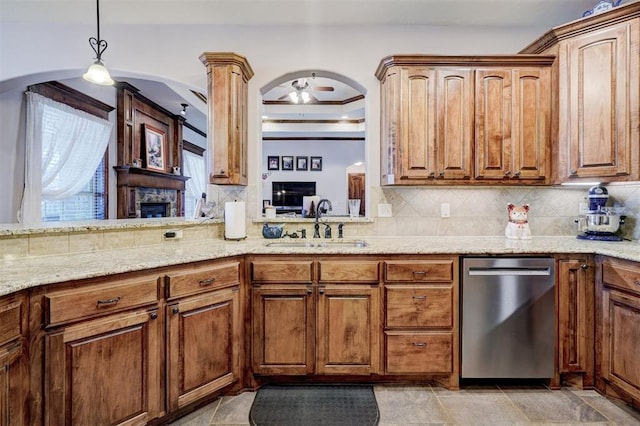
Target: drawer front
{"x":623,"y":275}
{"x":419,"y":306}
{"x":349,"y":271}
{"x":282,"y":271}
{"x":419,"y":353}
{"x":201,"y":279}
{"x":417,"y":271}
{"x":10,"y":321}
{"x":92,"y":300}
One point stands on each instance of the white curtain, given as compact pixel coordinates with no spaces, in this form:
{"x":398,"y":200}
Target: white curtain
{"x":194,"y":168}
{"x":63,"y":149}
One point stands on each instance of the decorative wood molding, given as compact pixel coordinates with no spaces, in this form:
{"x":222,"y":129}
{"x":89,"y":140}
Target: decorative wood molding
{"x":583,"y":25}
{"x":227,"y":58}
{"x":461,"y":61}
{"x":309,"y":138}
{"x":73,"y":98}
{"x":194,"y":129}
{"x":193,"y":148}
{"x":284,"y":121}
{"x":335,"y":102}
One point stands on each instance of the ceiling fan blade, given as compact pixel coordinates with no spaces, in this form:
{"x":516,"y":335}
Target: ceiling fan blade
{"x":323,"y":88}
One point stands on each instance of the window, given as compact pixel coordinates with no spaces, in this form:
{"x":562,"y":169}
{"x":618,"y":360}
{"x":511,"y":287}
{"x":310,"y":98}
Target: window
{"x":67,"y":138}
{"x":194,"y":167}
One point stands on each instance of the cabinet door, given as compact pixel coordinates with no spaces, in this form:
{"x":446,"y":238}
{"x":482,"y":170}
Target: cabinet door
{"x":598,"y":116}
{"x":348,"y":329}
{"x":203,"y":340}
{"x":575,"y":317}
{"x":531,"y":123}
{"x":104,"y":371}
{"x":13,"y":384}
{"x":493,"y":120}
{"x":283,"y":329}
{"x":621,"y":341}
{"x":454,"y":131}
{"x":417,"y":147}
{"x":389,"y":125}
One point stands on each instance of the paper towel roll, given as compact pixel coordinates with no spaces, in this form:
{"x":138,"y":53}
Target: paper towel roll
{"x":234,"y":220}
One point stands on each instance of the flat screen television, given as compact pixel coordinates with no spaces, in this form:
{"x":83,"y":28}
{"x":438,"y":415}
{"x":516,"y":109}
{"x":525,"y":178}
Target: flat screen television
{"x":287,"y":196}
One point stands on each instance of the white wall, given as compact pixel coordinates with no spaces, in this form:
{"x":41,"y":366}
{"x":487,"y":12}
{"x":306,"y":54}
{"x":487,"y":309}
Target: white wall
{"x":331,"y":182}
{"x":170,"y":53}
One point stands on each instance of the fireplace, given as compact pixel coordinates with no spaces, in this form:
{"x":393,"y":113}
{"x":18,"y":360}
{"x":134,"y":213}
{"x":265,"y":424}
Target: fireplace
{"x":148,"y":210}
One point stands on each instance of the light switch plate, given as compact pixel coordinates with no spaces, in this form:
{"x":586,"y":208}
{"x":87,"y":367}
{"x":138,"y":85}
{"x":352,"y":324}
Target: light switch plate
{"x":384,"y":210}
{"x":445,"y":210}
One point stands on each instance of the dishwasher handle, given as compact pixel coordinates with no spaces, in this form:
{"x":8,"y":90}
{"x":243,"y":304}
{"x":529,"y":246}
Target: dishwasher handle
{"x":530,"y":271}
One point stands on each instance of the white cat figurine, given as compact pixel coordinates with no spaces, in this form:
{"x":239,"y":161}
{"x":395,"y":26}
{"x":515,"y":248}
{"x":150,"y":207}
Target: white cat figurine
{"x":518,"y":225}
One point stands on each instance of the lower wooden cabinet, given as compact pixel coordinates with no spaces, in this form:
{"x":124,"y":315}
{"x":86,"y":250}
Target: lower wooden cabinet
{"x":418,"y":352}
{"x":105,"y":371}
{"x":576,"y":344}
{"x":618,"y":329}
{"x":203,"y":345}
{"x":14,"y":365}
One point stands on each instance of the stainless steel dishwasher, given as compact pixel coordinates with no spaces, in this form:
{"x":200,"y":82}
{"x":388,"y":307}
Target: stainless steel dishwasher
{"x":508,"y":317}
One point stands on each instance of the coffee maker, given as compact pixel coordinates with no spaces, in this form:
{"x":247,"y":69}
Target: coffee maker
{"x":600,"y":222}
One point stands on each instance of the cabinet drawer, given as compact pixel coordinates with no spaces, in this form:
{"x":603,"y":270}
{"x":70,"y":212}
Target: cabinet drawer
{"x":282,"y":270}
{"x":184,"y":282}
{"x":95,"y":299}
{"x":419,"y":270}
{"x":419,"y":306}
{"x":10,"y":321}
{"x":623,"y":275}
{"x":349,"y":271}
{"x":418,"y":353}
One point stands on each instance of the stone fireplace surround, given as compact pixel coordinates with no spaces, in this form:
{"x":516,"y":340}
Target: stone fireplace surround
{"x":156,"y":196}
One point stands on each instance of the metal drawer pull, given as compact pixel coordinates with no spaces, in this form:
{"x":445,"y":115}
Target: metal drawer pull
{"x":419,"y":297}
{"x":108,"y":302}
{"x":206,"y":282}
{"x":419,"y":274}
{"x":419,"y":344}
{"x":637,"y":282}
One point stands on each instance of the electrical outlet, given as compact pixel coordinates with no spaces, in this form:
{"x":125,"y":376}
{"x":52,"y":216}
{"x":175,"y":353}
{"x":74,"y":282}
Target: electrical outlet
{"x":445,"y":210}
{"x":384,"y":210}
{"x":584,"y":208}
{"x":173,"y":235}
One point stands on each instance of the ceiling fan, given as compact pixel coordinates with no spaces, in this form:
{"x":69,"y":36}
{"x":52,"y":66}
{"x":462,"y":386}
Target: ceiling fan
{"x":302,"y":91}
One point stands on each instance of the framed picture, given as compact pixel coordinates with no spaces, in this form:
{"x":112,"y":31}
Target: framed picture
{"x":273,"y":162}
{"x":302,"y":163}
{"x":154,"y":148}
{"x":287,"y":162}
{"x":266,"y":203}
{"x":316,"y":163}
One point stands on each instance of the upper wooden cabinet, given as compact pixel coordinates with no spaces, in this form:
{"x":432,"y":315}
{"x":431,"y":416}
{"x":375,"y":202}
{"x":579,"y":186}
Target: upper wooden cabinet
{"x":228,"y":76}
{"x":596,"y":128}
{"x":465,"y":119}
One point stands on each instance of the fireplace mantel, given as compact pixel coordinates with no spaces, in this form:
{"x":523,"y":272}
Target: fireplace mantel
{"x":135,"y":176}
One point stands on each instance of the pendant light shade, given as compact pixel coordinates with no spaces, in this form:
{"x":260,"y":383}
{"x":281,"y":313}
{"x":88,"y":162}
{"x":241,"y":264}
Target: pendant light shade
{"x":97,"y":72}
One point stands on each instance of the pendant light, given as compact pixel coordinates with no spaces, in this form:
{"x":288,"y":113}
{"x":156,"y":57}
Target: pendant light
{"x":97,"y":73}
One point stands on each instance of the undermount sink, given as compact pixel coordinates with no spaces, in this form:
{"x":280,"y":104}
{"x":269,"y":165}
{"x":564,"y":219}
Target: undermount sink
{"x":319,"y":244}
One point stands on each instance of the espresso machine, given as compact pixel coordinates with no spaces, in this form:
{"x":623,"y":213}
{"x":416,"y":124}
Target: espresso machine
{"x":600,"y":222}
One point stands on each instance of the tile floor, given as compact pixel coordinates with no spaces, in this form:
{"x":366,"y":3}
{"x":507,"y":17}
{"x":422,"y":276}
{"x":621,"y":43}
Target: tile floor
{"x":473,"y":405}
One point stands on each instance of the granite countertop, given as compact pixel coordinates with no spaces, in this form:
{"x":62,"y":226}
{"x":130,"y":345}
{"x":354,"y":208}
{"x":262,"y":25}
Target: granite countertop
{"x":22,"y":273}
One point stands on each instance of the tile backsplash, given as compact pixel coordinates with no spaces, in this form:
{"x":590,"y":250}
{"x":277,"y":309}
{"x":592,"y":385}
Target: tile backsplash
{"x":473,"y":210}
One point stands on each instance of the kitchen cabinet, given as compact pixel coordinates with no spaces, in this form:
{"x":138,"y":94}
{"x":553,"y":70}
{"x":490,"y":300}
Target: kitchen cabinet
{"x":618,"y":329}
{"x":204,"y":330}
{"x":598,"y":107}
{"x":576,"y":310}
{"x":228,"y":76}
{"x":476,"y":120}
{"x":103,"y":352}
{"x":421,"y":317}
{"x":14,"y":365}
{"x":315,"y":317}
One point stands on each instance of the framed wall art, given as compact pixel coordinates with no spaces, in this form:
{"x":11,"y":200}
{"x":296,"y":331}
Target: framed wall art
{"x":287,"y":162}
{"x":155,"y":148}
{"x":316,"y":164}
{"x":273,"y":162}
{"x":302,"y":163}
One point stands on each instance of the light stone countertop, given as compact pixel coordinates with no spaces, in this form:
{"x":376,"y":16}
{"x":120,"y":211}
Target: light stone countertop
{"x":22,"y":273}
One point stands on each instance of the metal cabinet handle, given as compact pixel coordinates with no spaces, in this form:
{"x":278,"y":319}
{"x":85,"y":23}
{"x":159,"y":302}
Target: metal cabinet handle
{"x":309,"y":290}
{"x":208,"y":281}
{"x":153,"y":315}
{"x":573,"y":172}
{"x":108,"y":302}
{"x":432,"y":174}
{"x":584,"y":266}
{"x":175,"y":310}
{"x":516,"y":174}
{"x":419,"y":344}
{"x":637,"y":282}
{"x":419,"y":274}
{"x":507,"y":173}
{"x":441,"y":174}
{"x":419,"y":297}
{"x":321,"y":291}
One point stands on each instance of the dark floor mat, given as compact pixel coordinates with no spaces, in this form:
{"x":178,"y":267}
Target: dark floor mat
{"x":305,"y":405}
